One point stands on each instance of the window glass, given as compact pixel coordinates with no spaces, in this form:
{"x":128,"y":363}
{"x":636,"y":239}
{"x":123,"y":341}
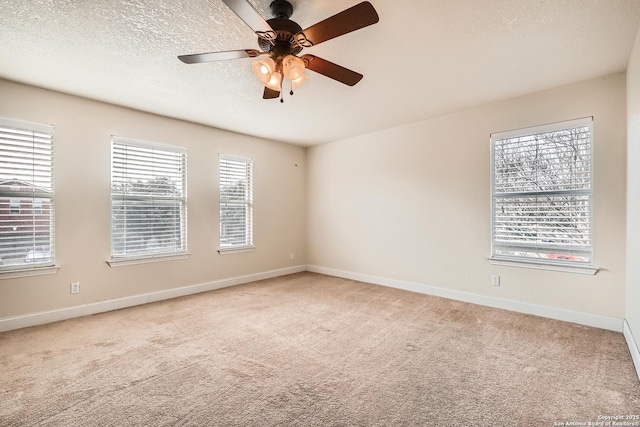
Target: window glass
{"x":541,"y":193}
{"x":236,"y":202}
{"x":148,"y":199}
{"x":26,"y":195}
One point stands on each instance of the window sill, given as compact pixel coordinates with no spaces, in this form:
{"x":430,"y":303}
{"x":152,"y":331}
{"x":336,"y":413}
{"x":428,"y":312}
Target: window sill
{"x":29,"y":272}
{"x":565,"y":268}
{"x":229,"y":251}
{"x":146,"y":260}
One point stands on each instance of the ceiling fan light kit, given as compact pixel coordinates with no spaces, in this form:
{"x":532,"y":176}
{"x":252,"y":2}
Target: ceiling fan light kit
{"x":282,"y":39}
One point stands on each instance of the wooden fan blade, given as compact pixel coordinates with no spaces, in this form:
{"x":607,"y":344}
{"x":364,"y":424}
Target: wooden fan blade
{"x":331,"y":70}
{"x":198,"y":58}
{"x":270,"y":93}
{"x":354,"y":18}
{"x":252,"y":18}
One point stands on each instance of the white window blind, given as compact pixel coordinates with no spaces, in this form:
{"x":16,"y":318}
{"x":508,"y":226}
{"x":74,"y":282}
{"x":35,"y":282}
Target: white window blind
{"x":542,"y":198}
{"x":148,"y":199}
{"x":26,"y":195}
{"x":236,"y":202}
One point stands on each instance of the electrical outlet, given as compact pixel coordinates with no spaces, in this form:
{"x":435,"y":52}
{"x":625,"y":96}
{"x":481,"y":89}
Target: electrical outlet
{"x":495,"y":280}
{"x":75,"y":287}
{"x":293,"y":256}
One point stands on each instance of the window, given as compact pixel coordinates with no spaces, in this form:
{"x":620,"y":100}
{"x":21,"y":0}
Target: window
{"x":236,"y":202}
{"x":148,"y":199}
{"x":541,"y":190}
{"x":14,"y":206}
{"x":26,"y":178}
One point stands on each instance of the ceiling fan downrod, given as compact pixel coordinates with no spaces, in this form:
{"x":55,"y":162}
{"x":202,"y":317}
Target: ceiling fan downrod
{"x":281,"y":9}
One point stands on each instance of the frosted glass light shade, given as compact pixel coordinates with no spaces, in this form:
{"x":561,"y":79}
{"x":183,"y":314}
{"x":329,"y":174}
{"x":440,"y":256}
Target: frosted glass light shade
{"x":275,"y":82}
{"x":292,"y":67}
{"x":297,"y":82}
{"x":263,"y":69}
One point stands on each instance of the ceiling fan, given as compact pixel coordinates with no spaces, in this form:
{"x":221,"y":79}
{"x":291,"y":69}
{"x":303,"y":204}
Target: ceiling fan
{"x":283,"y":39}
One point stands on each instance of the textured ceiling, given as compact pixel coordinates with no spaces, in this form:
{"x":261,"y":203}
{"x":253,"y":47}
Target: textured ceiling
{"x":424,"y":58}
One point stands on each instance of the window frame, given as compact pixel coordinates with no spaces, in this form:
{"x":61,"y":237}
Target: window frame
{"x":137,"y":257}
{"x":248,"y":244}
{"x":40,"y":168}
{"x":567,"y":265}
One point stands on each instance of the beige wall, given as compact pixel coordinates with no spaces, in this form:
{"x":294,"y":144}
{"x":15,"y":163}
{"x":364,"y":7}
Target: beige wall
{"x":409,"y":203}
{"x":82,"y":179}
{"x":412,"y":203}
{"x":633,"y":193}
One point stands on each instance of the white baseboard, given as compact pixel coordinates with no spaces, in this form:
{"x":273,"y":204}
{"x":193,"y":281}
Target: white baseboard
{"x":17,"y":322}
{"x":633,"y":346}
{"x":595,"y":320}
{"x":604,"y":322}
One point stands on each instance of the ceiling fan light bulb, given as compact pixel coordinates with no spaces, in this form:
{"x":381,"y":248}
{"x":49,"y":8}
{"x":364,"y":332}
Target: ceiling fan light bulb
{"x":263,"y":68}
{"x":292,"y":67}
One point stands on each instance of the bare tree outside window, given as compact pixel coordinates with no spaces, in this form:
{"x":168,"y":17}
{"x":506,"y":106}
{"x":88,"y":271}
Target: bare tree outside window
{"x":542,"y":194}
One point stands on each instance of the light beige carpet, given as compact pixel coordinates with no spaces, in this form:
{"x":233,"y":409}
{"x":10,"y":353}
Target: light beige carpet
{"x":312,"y":350}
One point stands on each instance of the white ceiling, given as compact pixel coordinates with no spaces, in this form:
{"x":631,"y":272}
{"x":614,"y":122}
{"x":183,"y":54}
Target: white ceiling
{"x":424,"y":58}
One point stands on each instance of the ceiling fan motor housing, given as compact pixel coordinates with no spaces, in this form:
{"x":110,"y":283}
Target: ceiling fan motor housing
{"x":284,"y":29}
